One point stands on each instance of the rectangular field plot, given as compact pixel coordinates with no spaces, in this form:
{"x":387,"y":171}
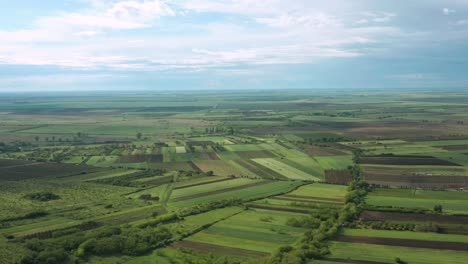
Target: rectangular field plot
{"x":452,"y":201}
{"x":181,"y":184}
{"x":256,"y":190}
{"x":222,"y":168}
{"x":256,"y":230}
{"x":334,"y":162}
{"x":320,"y":192}
{"x":181,"y":149}
{"x":259,"y":170}
{"x":406,"y":235}
{"x":285,"y":170}
{"x":387,"y":254}
{"x":42,"y":170}
{"x":406,"y":160}
{"x":4,"y":163}
{"x":207,"y":188}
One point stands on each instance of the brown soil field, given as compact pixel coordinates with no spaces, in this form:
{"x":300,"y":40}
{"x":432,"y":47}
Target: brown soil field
{"x":455,"y":147}
{"x":198,"y":195}
{"x":260,"y":154}
{"x":212,"y":156}
{"x":404,"y":242}
{"x":200,"y":143}
{"x":412,"y":217}
{"x":280,"y":209}
{"x":175,"y":165}
{"x":338,"y":177}
{"x":312,"y":150}
{"x":42,"y":170}
{"x":194,"y":167}
{"x":216,"y":249}
{"x":11,"y":163}
{"x":402,"y":130}
{"x":421,"y":181}
{"x":141,"y":158}
{"x":405,"y":160}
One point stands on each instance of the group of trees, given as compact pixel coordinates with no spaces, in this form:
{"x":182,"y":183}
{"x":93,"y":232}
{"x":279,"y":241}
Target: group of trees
{"x":131,"y":241}
{"x":325,"y":223}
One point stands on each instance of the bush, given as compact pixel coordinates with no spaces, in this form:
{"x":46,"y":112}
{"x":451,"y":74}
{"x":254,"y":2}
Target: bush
{"x":42,"y":196}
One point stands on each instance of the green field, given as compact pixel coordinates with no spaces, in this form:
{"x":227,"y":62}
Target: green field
{"x":232,"y":177}
{"x":452,"y":202}
{"x":387,"y":254}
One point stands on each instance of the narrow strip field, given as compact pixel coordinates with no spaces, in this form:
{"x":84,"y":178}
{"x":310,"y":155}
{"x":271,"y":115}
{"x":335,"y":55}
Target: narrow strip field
{"x":198,"y":195}
{"x":279,"y":209}
{"x":266,"y":189}
{"x":260,"y":170}
{"x":387,"y":254}
{"x":203,"y":183}
{"x":285,"y":170}
{"x":404,"y":242}
{"x":409,"y":217}
{"x":216,"y":249}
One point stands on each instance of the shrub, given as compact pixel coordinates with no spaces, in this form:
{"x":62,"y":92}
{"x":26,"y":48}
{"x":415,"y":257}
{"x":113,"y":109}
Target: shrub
{"x":42,"y":196}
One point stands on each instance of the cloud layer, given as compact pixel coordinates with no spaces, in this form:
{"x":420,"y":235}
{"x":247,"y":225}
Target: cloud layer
{"x":105,"y":37}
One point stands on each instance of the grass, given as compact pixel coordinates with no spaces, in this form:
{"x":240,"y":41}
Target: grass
{"x":210,"y":187}
{"x":334,"y":162}
{"x":453,"y":202}
{"x":271,"y":189}
{"x":256,"y":230}
{"x":406,"y":235}
{"x":286,"y":170}
{"x":321,"y":190}
{"x":387,"y":254}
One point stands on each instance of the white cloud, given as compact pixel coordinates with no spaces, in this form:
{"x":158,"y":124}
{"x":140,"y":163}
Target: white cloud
{"x":448,"y":11}
{"x":312,"y":21}
{"x":262,"y":32}
{"x":462,"y":22}
{"x":125,"y":15}
{"x":362,"y":21}
{"x":89,"y":33}
{"x":379,"y":17}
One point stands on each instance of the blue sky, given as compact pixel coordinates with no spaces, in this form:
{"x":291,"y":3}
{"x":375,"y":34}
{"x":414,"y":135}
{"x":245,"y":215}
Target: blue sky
{"x":232,"y":44}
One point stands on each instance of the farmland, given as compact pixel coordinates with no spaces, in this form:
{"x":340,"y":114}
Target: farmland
{"x":234,"y":177}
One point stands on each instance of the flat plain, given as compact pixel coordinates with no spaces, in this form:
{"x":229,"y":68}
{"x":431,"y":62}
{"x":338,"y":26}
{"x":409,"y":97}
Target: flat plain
{"x":234,"y":177}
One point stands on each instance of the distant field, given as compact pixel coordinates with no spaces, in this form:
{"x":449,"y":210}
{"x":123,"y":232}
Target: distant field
{"x":454,"y":202}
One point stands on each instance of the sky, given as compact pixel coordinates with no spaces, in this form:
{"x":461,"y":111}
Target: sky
{"x":112,"y":45}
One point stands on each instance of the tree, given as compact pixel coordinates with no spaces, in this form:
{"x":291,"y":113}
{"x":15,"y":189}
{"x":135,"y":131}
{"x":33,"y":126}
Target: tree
{"x":139,"y":135}
{"x":36,"y":138}
{"x":438,"y":208}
